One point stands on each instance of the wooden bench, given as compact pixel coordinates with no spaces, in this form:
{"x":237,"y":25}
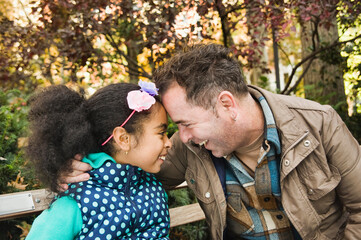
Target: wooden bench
{"x":25,"y":203}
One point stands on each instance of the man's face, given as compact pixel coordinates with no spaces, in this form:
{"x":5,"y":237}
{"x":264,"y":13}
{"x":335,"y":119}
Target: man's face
{"x":197,"y":124}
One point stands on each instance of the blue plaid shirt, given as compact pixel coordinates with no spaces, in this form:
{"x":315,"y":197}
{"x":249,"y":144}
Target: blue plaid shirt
{"x":254,"y":209}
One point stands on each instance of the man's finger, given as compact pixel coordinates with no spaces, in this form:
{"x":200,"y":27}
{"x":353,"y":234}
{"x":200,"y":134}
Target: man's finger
{"x":78,"y":157}
{"x":63,"y":187}
{"x":79,"y":178}
{"x":80,"y":166}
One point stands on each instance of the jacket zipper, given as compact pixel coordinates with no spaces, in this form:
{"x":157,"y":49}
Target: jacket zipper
{"x":286,"y":151}
{"x":135,"y":207}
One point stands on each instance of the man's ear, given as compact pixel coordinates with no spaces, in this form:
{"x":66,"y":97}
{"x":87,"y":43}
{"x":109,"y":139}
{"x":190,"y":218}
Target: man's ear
{"x":121,"y":138}
{"x":227,"y":102}
{"x":226,"y":99}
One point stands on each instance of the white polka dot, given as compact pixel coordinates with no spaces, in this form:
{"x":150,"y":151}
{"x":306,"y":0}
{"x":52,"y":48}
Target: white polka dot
{"x":85,"y":209}
{"x":86,"y":200}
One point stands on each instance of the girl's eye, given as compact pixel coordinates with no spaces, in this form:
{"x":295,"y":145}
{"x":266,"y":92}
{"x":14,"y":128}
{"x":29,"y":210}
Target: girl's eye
{"x":163,"y":133}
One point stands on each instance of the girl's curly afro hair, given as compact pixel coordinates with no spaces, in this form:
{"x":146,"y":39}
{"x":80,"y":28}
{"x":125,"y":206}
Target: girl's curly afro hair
{"x":63,"y":123}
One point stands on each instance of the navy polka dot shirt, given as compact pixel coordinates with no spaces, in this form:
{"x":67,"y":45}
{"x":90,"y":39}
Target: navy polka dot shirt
{"x":120,"y":202}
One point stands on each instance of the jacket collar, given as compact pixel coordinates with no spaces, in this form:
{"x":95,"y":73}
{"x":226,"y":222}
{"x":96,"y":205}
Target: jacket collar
{"x":292,"y":132}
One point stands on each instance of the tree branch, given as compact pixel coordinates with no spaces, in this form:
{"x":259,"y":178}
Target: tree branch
{"x":301,"y":77}
{"x":312,"y":56}
{"x":113,"y":43}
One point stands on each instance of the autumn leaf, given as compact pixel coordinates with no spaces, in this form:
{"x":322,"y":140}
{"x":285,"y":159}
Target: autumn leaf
{"x":18,"y":183}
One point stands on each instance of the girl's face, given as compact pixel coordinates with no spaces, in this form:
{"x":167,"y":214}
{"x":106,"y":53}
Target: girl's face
{"x":151,"y":147}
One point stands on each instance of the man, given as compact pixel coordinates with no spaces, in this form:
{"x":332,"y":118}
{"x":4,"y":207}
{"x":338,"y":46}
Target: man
{"x":262,"y":165}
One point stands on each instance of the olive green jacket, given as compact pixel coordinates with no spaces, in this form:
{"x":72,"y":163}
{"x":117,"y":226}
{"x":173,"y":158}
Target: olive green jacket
{"x":320,"y":171}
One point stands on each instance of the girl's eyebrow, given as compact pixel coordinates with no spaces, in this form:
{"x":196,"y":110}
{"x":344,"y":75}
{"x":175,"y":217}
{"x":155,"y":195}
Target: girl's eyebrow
{"x":162,"y":126}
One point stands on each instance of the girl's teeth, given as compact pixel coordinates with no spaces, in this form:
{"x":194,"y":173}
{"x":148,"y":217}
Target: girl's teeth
{"x":163,"y":158}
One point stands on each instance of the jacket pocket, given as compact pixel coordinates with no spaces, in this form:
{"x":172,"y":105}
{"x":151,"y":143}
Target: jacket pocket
{"x":320,"y":188}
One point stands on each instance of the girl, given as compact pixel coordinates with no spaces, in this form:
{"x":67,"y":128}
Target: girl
{"x":121,"y":131}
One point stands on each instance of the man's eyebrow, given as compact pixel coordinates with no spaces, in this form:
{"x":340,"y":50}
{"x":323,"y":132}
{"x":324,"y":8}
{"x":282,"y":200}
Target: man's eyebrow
{"x":180,"y":122}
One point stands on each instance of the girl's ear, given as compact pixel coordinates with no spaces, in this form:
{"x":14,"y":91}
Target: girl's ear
{"x":121,"y":138}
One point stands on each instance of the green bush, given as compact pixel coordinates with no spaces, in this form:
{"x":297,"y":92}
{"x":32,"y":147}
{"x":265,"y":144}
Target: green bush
{"x":15,"y":174}
{"x":192,"y":231}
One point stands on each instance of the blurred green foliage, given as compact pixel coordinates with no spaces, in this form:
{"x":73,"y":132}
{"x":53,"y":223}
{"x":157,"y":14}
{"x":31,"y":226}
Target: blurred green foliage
{"x":15,"y":173}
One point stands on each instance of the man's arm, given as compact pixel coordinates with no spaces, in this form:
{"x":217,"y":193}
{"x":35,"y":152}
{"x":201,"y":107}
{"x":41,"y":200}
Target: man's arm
{"x":344,"y":152}
{"x":171,"y":174}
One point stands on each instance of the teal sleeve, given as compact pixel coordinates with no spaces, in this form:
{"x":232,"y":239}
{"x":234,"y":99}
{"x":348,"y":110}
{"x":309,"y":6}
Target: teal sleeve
{"x":62,"y":221}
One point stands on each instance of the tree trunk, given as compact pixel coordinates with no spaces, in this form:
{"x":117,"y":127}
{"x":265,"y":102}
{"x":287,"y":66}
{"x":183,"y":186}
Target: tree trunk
{"x":324,"y":80}
{"x":132,"y":54}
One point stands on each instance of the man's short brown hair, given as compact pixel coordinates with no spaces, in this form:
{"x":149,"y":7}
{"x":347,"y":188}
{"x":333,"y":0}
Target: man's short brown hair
{"x":204,"y":70}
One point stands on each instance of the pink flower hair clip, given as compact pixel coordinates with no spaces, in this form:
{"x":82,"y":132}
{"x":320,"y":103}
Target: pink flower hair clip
{"x":139,"y":100}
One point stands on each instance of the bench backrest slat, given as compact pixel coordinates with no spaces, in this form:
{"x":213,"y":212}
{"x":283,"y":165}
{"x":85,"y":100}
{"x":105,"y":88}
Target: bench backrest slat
{"x":35,"y":201}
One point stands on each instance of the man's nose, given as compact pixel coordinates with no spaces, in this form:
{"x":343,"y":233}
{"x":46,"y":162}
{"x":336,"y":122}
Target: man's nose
{"x":184,"y":134}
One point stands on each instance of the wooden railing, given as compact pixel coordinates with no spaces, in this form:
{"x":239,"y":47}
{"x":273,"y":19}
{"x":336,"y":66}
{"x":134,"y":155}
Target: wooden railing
{"x":25,"y":203}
